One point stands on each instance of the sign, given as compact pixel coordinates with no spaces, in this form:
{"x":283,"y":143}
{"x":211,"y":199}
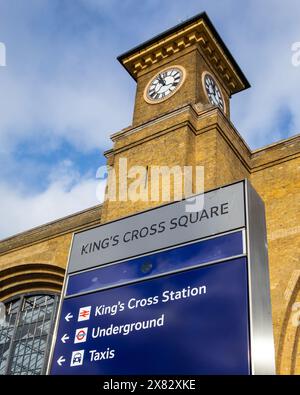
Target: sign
{"x":182,"y":303}
{"x":168,"y":325}
{"x":158,"y":228}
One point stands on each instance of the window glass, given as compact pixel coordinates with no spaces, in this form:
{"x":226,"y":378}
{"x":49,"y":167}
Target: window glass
{"x":24,"y":336}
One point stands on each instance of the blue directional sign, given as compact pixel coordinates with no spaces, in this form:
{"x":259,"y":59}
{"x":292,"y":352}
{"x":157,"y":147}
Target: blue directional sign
{"x":184,"y":323}
{"x":180,"y":309}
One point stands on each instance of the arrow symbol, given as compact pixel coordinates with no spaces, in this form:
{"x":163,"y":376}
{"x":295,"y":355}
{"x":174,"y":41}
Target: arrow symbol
{"x":68,"y":317}
{"x":61,"y":360}
{"x":64,"y":338}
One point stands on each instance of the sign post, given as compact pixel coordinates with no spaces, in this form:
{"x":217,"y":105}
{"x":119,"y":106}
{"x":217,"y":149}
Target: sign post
{"x":168,"y":291}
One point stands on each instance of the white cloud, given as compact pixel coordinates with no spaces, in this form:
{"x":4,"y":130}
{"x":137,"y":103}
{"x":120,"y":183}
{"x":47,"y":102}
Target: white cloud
{"x":60,"y":81}
{"x":66,"y":194}
{"x":261,"y":40}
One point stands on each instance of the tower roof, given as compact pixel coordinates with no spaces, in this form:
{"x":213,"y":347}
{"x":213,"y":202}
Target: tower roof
{"x":196,"y":30}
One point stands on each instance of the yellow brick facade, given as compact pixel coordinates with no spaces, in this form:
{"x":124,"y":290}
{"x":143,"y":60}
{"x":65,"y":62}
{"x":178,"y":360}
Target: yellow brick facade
{"x":186,"y":131}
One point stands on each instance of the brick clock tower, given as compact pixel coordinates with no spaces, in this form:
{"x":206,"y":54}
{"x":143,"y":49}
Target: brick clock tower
{"x":185,"y":78}
{"x":192,"y":64}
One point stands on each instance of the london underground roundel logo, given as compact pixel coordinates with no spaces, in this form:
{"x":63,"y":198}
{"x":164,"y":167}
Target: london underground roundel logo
{"x":80,"y":335}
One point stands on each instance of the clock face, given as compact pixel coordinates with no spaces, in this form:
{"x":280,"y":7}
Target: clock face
{"x":164,"y":84}
{"x":213,"y":92}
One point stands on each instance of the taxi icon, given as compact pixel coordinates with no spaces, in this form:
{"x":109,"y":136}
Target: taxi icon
{"x":77,"y":358}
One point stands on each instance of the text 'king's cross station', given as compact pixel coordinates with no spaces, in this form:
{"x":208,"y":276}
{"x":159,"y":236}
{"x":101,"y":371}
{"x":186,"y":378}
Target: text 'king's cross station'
{"x":84,"y":313}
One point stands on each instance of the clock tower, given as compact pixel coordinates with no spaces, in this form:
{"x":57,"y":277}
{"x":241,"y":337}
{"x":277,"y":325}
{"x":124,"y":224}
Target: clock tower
{"x":185,"y":77}
{"x":209,"y":74}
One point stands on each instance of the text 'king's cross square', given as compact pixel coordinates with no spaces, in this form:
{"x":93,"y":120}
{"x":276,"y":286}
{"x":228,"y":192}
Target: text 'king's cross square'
{"x":84,"y":313}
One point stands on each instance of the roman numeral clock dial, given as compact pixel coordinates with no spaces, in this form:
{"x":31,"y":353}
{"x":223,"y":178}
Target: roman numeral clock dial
{"x":164,"y":84}
{"x":213,"y":91}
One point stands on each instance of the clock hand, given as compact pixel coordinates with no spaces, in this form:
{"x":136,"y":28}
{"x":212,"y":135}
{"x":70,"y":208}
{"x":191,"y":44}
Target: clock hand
{"x":161,"y":80}
{"x":157,"y":87}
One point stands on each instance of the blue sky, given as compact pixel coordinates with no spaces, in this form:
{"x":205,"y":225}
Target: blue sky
{"x":63,"y":92}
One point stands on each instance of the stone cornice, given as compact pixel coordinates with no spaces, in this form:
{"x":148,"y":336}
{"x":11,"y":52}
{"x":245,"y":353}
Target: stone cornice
{"x":276,"y":153}
{"x":199,"y":32}
{"x":132,"y":130}
{"x":202,"y":119}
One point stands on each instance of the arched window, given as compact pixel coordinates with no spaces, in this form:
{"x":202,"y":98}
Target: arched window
{"x":26,"y":333}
